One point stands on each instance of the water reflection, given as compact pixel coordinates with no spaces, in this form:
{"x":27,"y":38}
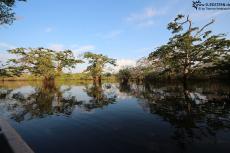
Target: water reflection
{"x":30,"y":102}
{"x":195,"y":113}
{"x":100,"y":96}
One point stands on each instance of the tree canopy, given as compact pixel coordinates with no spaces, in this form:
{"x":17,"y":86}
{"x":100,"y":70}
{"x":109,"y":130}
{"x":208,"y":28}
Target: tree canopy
{"x":190,"y":48}
{"x":43,"y":62}
{"x":65,"y":59}
{"x":7,"y":16}
{"x":97,"y":64}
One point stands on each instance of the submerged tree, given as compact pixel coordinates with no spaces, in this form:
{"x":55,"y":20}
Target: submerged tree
{"x":42,"y":62}
{"x":97,"y":64}
{"x":190,"y":48}
{"x":7,"y":16}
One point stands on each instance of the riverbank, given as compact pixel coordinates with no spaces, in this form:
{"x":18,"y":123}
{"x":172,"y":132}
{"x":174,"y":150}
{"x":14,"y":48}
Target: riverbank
{"x":63,"y":77}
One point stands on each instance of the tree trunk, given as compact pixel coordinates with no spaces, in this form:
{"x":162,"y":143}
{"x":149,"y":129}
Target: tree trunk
{"x":124,"y":81}
{"x":59,"y":70}
{"x":185,"y":74}
{"x":49,"y":81}
{"x":185,"y":78}
{"x":97,"y":79}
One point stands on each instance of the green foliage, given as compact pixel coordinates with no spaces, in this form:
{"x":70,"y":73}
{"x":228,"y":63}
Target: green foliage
{"x":9,"y":71}
{"x":7,"y":16}
{"x":42,"y":62}
{"x":38,"y":61}
{"x":191,"y":52}
{"x":190,"y":48}
{"x":97,"y":63}
{"x":222,"y":67}
{"x":124,"y":75}
{"x":3,"y":71}
{"x":99,"y":98}
{"x":65,"y":59}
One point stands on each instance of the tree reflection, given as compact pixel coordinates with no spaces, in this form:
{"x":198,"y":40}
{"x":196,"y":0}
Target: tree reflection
{"x":49,"y":99}
{"x":98,"y":96}
{"x":195,"y":112}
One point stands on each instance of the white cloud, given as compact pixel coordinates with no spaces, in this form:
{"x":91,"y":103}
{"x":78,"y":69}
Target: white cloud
{"x":6,"y":46}
{"x":78,"y":50}
{"x":122,"y":63}
{"x":4,"y":55}
{"x":207,"y":15}
{"x":84,"y":48}
{"x":48,"y":29}
{"x":75,"y":48}
{"x":112,"y":34}
{"x":56,"y":47}
{"x":145,"y":17}
{"x":18,"y":17}
{"x":146,"y":14}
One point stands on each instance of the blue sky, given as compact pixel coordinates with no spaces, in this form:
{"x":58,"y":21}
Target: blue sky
{"x":122,"y":29}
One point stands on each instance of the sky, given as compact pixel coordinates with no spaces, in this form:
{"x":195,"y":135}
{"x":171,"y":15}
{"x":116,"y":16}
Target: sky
{"x":123,"y":29}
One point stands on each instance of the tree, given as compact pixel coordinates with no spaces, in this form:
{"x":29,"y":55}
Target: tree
{"x":42,"y":62}
{"x":3,"y":71}
{"x":97,"y":64}
{"x":7,"y":16}
{"x":65,"y":59}
{"x":222,"y":67}
{"x":8,"y":71}
{"x":190,"y":48}
{"x":37,"y":61}
{"x":124,"y":75}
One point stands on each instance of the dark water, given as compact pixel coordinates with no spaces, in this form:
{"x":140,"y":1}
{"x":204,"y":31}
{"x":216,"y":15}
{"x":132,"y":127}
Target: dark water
{"x":113,"y":118}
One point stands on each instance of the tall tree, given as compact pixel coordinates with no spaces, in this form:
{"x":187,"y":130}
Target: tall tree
{"x":37,"y":61}
{"x":42,"y":62}
{"x":97,"y":64}
{"x":190,"y":47}
{"x":7,"y":16}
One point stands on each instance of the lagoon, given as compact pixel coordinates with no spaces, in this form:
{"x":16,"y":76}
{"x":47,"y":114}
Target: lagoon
{"x":75,"y":117}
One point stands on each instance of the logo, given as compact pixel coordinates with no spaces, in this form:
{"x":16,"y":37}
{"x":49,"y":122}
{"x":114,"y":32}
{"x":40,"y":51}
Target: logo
{"x":198,"y":5}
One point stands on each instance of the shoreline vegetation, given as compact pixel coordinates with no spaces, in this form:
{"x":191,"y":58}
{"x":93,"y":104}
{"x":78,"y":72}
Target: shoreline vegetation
{"x":63,"y":77}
